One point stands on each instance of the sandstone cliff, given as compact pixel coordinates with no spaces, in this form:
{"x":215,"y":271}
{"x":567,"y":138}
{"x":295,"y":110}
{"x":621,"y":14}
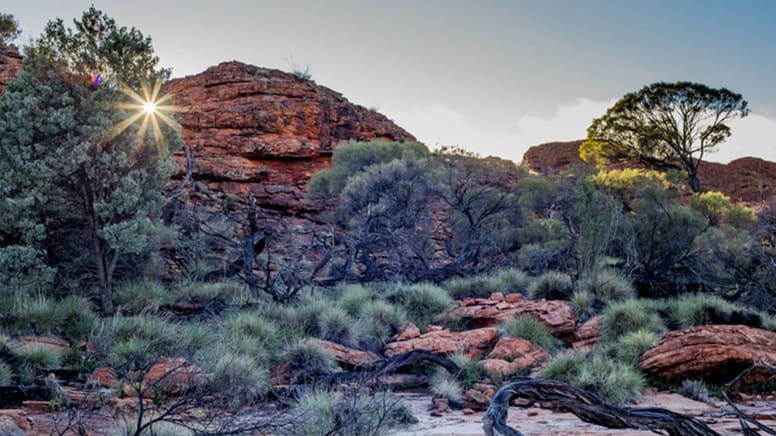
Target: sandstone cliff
{"x":264,"y":131}
{"x":749,"y":179}
{"x":10,"y":63}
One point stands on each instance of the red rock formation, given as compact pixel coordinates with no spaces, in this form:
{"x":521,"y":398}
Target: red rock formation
{"x":557,"y":316}
{"x":553,"y":157}
{"x":10,"y":64}
{"x":173,"y":376}
{"x":587,"y":334}
{"x":347,"y":356}
{"x":264,"y":131}
{"x":715,"y":353}
{"x":511,"y":355}
{"x":472,"y":343}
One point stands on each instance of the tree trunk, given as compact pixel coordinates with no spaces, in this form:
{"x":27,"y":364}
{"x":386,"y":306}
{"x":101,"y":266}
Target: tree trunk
{"x":695,"y":183}
{"x":106,"y":293}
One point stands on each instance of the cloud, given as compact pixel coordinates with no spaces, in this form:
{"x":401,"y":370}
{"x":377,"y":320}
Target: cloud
{"x":436,"y":124}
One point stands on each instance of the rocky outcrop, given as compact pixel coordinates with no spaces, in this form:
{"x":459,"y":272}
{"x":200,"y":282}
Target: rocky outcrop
{"x":472,"y":343}
{"x":264,"y":131}
{"x":174,"y":376}
{"x":588,"y":333}
{"x":748,"y":179}
{"x":346,"y":356}
{"x":10,"y":64}
{"x":557,"y":316}
{"x":715,"y":353}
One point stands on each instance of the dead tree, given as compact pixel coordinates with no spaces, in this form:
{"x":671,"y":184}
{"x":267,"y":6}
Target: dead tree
{"x":588,"y":407}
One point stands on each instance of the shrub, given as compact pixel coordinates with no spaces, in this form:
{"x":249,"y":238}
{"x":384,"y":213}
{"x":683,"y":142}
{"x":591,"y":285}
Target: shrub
{"x":552,"y":285}
{"x":422,"y":302}
{"x":316,"y":413}
{"x":470,"y":371}
{"x":78,"y":319}
{"x":614,"y":381}
{"x":700,"y":309}
{"x":607,"y":285}
{"x":631,"y":346}
{"x":304,"y":355}
{"x":335,"y":325}
{"x":226,"y":293}
{"x":630,"y":316}
{"x":146,"y":295}
{"x":507,"y":281}
{"x":584,"y":304}
{"x":248,"y":333}
{"x":447,"y":388}
{"x":695,"y":390}
{"x":353,"y":298}
{"x":6,"y":374}
{"x":377,"y":321}
{"x":530,"y":330}
{"x":537,"y":258}
{"x":240,"y":379}
{"x":37,"y":313}
{"x":35,"y":358}
{"x":135,"y":343}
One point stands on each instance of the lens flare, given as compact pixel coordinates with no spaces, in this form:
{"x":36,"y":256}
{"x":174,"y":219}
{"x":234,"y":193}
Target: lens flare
{"x":152,"y":107}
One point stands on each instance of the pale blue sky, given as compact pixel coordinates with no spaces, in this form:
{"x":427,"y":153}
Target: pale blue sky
{"x":492,"y":76}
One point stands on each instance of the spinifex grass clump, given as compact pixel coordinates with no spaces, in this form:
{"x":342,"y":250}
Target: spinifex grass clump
{"x":507,"y":281}
{"x":630,"y":316}
{"x":530,"y":330}
{"x":552,"y":285}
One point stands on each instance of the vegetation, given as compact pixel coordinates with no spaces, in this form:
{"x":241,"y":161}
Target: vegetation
{"x":530,"y":330}
{"x":9,"y":28}
{"x":665,"y":125}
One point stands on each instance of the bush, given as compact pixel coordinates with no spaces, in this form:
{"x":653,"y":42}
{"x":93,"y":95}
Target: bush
{"x":584,"y":304}
{"x":700,"y":309}
{"x":377,"y":322}
{"x":470,"y":371}
{"x":78,"y":318}
{"x":421,"y":302}
{"x":630,"y":316}
{"x":139,"y":296}
{"x":614,"y":381}
{"x":304,"y":355}
{"x":35,"y":358}
{"x":530,"y":330}
{"x":695,"y":390}
{"x":507,"y":281}
{"x":38,"y":314}
{"x":552,"y":285}
{"x":631,"y":346}
{"x":335,"y":325}
{"x":6,"y":374}
{"x":607,"y":285}
{"x":447,"y":388}
{"x":353,"y":298}
{"x":248,"y":333}
{"x":226,"y":293}
{"x":240,"y":379}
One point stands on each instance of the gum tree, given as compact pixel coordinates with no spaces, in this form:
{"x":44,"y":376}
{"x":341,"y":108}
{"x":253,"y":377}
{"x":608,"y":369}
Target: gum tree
{"x":664,"y":126}
{"x":83,"y":187}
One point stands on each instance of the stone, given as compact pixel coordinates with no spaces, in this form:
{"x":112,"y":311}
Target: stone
{"x":557,"y":316}
{"x":173,"y":376}
{"x":440,"y":406}
{"x":513,"y":297}
{"x":467,"y":411}
{"x":587,"y":334}
{"x":478,"y":397}
{"x":408,"y":331}
{"x":714,"y":353}
{"x":348,"y":356}
{"x":18,"y":416}
{"x":511,"y":355}
{"x":124,"y":406}
{"x":10,"y":64}
{"x":8,"y":427}
{"x":34,"y":407}
{"x":103,"y":376}
{"x":472,"y":343}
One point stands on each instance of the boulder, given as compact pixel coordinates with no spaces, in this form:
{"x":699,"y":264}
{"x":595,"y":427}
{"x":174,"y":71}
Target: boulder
{"x":715,"y":353}
{"x":557,"y":316}
{"x":510,"y":355}
{"x":53,"y":343}
{"x":473,"y":343}
{"x":19,"y":418}
{"x":408,"y":331}
{"x":103,"y":376}
{"x":8,"y":427}
{"x":348,"y":356}
{"x":173,"y":376}
{"x":587,"y":334}
{"x":479,"y":396}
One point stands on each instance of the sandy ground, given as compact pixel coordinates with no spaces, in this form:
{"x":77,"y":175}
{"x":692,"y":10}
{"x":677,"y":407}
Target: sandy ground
{"x":535,"y":421}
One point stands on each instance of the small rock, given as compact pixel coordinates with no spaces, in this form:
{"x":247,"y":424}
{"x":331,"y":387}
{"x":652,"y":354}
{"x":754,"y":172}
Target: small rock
{"x":408,"y":331}
{"x":103,"y":376}
{"x":8,"y":427}
{"x":467,"y":411}
{"x":497,"y":296}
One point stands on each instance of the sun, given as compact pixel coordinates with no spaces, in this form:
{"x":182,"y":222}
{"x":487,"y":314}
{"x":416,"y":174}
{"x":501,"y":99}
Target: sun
{"x":149,"y":107}
{"x":152,"y":107}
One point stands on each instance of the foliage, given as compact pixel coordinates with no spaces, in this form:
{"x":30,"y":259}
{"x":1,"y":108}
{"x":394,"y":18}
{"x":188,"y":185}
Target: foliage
{"x":694,"y":389}
{"x":632,"y":345}
{"x":614,"y":381}
{"x":6,"y":374}
{"x":306,"y":356}
{"x":443,"y":386}
{"x":664,"y":125}
{"x":692,"y":310}
{"x":137,"y":296}
{"x":606,"y":285}
{"x":35,"y":358}
{"x":376,"y":323}
{"x":470,"y":371}
{"x":240,"y":379}
{"x":630,"y":316}
{"x":630,"y":179}
{"x":530,"y":330}
{"x":506,"y":281}
{"x":421,"y":302}
{"x":9,"y":28}
{"x":552,"y":285}
{"x":68,"y":177}
{"x":717,"y":207}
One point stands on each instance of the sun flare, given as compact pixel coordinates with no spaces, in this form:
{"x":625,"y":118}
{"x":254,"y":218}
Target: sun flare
{"x":152,"y":107}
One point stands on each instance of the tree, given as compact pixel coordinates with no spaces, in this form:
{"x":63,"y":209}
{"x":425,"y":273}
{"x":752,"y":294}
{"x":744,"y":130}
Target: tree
{"x":9,"y":28}
{"x":73,"y":171}
{"x":664,"y":126}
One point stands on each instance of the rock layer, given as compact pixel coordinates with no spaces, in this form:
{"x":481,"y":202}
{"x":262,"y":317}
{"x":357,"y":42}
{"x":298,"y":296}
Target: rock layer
{"x":264,"y":131}
{"x":715,"y":353}
{"x":10,"y":64}
{"x":472,"y":343}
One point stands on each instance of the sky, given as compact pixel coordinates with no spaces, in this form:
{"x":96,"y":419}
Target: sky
{"x":494,"y":77}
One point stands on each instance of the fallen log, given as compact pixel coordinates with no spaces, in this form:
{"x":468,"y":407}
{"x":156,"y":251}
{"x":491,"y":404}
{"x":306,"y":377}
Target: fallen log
{"x":588,"y":407}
